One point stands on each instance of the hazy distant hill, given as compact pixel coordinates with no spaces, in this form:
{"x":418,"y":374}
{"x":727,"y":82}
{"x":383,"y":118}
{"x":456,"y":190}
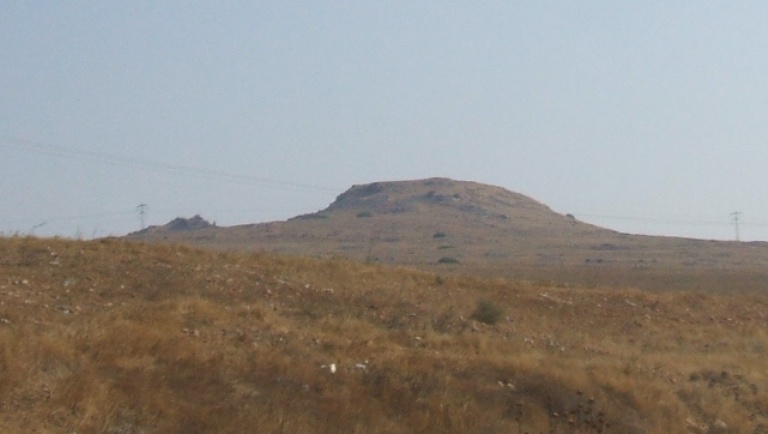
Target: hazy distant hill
{"x":467,"y":227}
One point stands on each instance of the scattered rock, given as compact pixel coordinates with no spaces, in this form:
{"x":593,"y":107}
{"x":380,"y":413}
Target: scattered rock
{"x":718,"y":427}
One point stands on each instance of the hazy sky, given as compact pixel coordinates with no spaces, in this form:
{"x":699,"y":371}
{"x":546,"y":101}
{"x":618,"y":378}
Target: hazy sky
{"x":641,"y":116}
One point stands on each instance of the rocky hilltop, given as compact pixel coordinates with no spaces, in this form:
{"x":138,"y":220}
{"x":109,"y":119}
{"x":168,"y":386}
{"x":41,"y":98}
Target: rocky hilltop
{"x":178,"y":224}
{"x":404,"y":196}
{"x":440,"y":197}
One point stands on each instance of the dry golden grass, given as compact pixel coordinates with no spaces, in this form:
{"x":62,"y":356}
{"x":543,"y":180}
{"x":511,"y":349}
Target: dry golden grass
{"x":116,"y":337}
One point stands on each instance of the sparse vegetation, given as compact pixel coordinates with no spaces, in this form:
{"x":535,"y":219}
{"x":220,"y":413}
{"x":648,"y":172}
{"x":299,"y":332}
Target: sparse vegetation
{"x":111,"y":336}
{"x":439,"y":235}
{"x":447,"y":260}
{"x":487,"y":312}
{"x":364,"y":214}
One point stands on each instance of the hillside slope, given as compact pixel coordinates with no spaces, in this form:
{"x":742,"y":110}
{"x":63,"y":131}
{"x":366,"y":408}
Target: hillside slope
{"x":117,"y":337}
{"x":469,"y":228}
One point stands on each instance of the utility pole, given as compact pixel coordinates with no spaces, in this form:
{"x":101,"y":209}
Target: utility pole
{"x":736,"y":215}
{"x":142,"y":210}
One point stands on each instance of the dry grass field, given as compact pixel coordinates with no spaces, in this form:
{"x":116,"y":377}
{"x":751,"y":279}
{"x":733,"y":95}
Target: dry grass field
{"x":112,"y":336}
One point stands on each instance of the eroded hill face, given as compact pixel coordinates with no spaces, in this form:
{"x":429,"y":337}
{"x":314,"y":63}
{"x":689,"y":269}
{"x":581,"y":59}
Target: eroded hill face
{"x":111,"y":336}
{"x":470,"y":228}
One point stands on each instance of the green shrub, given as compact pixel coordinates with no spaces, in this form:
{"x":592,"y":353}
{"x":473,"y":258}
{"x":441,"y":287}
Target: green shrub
{"x":364,"y":214}
{"x":447,"y":260}
{"x":487,"y":312}
{"x":439,"y":235}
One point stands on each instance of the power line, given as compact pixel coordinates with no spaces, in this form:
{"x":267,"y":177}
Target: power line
{"x":105,"y":158}
{"x":69,"y":218}
{"x":736,"y":220}
{"x":133,"y":211}
{"x":654,"y":220}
